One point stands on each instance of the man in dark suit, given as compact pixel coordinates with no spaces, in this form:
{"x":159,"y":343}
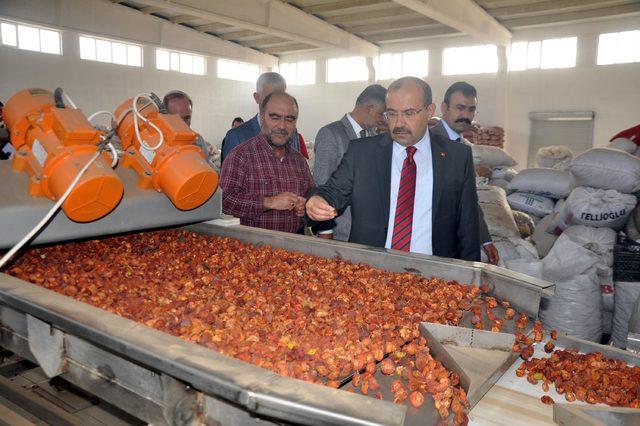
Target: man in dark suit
{"x":408,"y":189}
{"x":458,"y":111}
{"x":332,"y":141}
{"x":267,"y":83}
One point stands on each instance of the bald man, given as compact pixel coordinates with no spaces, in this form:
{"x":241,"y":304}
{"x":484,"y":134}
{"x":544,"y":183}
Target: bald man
{"x":408,"y":189}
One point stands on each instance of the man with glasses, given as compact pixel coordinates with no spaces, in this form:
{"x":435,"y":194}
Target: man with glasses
{"x":458,"y":111}
{"x":408,"y":189}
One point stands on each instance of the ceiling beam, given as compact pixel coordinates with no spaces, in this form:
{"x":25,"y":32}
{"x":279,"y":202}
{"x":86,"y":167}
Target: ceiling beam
{"x":148,"y":10}
{"x":262,"y":42}
{"x":341,"y":5}
{"x":172,"y":36}
{"x":297,"y":47}
{"x":237,"y":35}
{"x":463,"y":15}
{"x":550,"y":7}
{"x":405,"y":35}
{"x":210,"y":28}
{"x":349,"y":18}
{"x":181,"y":19}
{"x":541,"y":20}
{"x":271,"y":17}
{"x":405,"y":23}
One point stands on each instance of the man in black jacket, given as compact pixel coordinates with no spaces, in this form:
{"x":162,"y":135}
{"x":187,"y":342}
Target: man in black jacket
{"x":408,"y":189}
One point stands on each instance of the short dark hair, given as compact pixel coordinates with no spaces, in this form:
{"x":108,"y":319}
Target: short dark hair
{"x":460,"y":86}
{"x":176,"y":94}
{"x":267,"y":98}
{"x":237,"y":119}
{"x":373,"y":93}
{"x":426,"y":89}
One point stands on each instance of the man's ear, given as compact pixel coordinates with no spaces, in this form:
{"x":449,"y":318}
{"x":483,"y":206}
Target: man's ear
{"x":444,"y":108}
{"x":256,"y":97}
{"x":431,"y":109}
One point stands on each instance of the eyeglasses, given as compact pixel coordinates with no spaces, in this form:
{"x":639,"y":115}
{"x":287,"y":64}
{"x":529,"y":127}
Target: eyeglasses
{"x":409,"y":114}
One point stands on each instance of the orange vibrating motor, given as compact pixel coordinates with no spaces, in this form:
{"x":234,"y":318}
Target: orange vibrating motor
{"x":53,"y":143}
{"x":161,"y":148}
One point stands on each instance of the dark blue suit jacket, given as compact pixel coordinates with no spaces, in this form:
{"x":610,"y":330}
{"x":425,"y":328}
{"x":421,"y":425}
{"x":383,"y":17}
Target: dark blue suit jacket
{"x":240,"y":134}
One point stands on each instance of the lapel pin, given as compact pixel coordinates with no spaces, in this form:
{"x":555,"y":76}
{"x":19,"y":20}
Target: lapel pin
{"x":443,"y":154}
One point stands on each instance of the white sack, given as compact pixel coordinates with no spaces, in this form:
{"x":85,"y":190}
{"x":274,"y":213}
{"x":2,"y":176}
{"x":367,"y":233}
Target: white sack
{"x":547,"y":182}
{"x":624,"y":144}
{"x":559,"y":204}
{"x":506,"y":173}
{"x":536,"y":205}
{"x":525,"y":266}
{"x":550,"y":156}
{"x":500,"y":183}
{"x":598,"y":240}
{"x":568,"y":259}
{"x":515,"y":248}
{"x":575,"y":308}
{"x":598,"y":208}
{"x":625,"y":296}
{"x":607,"y":168}
{"x":542,"y":240}
{"x":491,"y":156}
{"x":497,"y":213}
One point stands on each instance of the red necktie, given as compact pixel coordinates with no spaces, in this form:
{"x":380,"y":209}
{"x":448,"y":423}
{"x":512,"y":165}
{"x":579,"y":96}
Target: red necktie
{"x":403,"y":221}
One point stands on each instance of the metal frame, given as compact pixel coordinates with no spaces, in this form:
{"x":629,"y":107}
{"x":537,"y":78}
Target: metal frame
{"x":163,"y":379}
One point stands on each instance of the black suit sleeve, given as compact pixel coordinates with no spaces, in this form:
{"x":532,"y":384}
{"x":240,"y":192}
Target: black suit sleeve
{"x":338,"y":189}
{"x":468,"y":218}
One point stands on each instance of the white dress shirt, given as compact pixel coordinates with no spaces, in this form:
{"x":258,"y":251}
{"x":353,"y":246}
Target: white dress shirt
{"x":421,"y":232}
{"x":356,"y":127}
{"x":453,"y":135}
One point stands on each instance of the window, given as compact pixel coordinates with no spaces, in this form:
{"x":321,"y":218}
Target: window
{"x":619,"y":48}
{"x":110,"y":51}
{"x":298,"y":73}
{"x":395,"y":65}
{"x":347,"y":69}
{"x":234,"y":70}
{"x":470,"y":60}
{"x":187,"y":63}
{"x":27,"y":37}
{"x":545,"y":54}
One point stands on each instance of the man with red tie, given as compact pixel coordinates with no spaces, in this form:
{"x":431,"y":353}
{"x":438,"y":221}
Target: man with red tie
{"x":408,"y":189}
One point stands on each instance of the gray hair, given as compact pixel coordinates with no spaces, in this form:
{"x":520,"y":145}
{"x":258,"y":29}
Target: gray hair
{"x":270,"y":78}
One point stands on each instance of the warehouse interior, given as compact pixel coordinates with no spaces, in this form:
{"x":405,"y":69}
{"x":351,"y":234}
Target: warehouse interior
{"x":133,"y":290}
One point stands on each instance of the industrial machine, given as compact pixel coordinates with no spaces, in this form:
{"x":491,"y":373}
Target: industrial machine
{"x":160,"y":148}
{"x":162,"y":379}
{"x":53,"y":143}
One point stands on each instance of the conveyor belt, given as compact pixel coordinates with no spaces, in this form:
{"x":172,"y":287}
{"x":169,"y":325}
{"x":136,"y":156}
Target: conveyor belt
{"x":161,"y":378}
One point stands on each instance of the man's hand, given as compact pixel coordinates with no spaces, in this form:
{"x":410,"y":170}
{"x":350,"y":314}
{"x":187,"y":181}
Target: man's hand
{"x":492,"y":253}
{"x":318,"y":209}
{"x":300,"y":206}
{"x":283,"y":201}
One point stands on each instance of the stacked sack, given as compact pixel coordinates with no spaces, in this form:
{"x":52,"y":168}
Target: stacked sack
{"x":494,"y":164}
{"x":578,"y":238}
{"x":536,"y":190}
{"x":479,"y":135}
{"x":514,"y":250}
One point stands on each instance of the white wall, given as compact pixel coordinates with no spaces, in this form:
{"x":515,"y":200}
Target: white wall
{"x":505,"y":99}
{"x":95,"y":86}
